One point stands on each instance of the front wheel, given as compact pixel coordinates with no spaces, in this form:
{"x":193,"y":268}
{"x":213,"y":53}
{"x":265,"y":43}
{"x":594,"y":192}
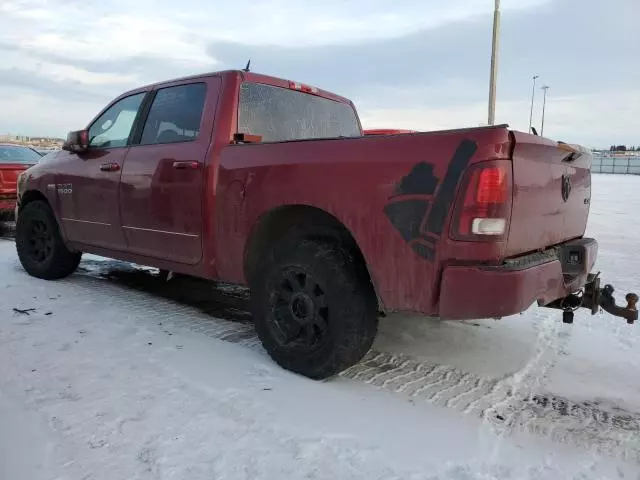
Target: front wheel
{"x":313,"y":308}
{"x":40,"y":247}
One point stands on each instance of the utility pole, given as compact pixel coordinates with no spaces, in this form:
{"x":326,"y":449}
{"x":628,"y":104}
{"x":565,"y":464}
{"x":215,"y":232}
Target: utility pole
{"x":533,"y":94}
{"x":544,"y":104}
{"x":494,"y":63}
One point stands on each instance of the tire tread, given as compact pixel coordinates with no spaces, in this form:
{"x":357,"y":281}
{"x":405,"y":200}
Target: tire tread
{"x":355,"y":325}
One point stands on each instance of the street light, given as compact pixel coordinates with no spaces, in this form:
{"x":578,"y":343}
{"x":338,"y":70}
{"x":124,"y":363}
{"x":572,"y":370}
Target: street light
{"x":533,"y":94}
{"x":494,"y":63}
{"x":544,"y":103}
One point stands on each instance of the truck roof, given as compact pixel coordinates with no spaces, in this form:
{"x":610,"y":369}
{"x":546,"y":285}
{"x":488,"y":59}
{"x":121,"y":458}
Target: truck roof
{"x":246,"y":76}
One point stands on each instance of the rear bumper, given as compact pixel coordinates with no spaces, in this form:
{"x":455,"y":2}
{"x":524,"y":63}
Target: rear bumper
{"x":491,"y":292}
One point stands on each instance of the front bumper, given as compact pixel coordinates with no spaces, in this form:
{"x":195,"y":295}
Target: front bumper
{"x":469,"y":292}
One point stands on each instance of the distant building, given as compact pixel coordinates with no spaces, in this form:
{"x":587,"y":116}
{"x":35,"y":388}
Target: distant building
{"x":36,"y":142}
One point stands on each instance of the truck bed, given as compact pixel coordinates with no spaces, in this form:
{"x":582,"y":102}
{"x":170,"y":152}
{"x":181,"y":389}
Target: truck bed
{"x":396,"y":195}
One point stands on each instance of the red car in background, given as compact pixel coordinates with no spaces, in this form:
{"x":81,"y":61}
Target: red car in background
{"x":14,"y":159}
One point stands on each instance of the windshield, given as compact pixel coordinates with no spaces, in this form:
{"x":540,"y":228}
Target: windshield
{"x":18,"y":154}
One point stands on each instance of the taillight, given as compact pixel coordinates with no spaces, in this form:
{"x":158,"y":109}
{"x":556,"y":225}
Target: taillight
{"x":492,"y":186}
{"x":483,"y":208}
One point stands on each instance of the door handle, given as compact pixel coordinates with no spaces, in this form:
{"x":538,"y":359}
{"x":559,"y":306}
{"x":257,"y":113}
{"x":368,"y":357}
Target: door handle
{"x":186,"y":165}
{"x":110,"y":167}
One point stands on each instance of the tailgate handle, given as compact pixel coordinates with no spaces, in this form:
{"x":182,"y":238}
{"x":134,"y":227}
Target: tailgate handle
{"x":574,"y":153}
{"x":571,"y":157}
{"x":110,"y":167}
{"x":184,"y":165}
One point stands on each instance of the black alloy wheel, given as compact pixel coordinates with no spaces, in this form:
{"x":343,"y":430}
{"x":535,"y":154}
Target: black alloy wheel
{"x":301,"y":315}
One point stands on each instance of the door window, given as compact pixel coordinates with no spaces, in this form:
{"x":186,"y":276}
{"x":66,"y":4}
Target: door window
{"x":175,"y":115}
{"x":113,"y":127}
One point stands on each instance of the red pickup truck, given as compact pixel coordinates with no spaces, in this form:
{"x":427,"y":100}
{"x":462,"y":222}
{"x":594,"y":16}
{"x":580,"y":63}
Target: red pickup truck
{"x":246,"y":178}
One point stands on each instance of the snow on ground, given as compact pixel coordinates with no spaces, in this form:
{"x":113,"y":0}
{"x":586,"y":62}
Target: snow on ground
{"x":116,"y":375}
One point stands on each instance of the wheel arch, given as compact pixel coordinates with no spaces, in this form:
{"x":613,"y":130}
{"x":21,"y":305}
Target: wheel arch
{"x":32,"y":196}
{"x":304,"y":221}
{"x":49,"y":258}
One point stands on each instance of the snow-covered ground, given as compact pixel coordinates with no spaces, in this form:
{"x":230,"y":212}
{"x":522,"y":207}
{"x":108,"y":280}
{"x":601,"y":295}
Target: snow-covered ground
{"x":115,"y":375}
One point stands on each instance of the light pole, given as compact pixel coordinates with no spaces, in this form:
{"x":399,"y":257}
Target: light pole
{"x":494,"y":62}
{"x":533,"y":94}
{"x":544,"y":104}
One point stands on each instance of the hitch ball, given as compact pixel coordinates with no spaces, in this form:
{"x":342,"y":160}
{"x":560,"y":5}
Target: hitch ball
{"x":632,"y":301}
{"x":567,"y":317}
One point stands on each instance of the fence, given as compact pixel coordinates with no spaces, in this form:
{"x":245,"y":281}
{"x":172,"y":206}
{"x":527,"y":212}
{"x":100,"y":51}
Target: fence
{"x":624,"y":164}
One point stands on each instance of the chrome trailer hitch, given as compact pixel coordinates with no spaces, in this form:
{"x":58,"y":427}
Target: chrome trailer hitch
{"x":594,"y":298}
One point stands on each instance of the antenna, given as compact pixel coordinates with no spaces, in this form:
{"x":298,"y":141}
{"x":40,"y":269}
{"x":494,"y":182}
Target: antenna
{"x":246,"y":69}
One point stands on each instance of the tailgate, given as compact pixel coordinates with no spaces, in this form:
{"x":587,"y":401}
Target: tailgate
{"x":551,"y":193}
{"x":9,"y":177}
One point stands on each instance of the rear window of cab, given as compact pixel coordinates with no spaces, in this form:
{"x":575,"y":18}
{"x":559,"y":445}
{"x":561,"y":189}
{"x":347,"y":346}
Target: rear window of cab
{"x":280,"y":114}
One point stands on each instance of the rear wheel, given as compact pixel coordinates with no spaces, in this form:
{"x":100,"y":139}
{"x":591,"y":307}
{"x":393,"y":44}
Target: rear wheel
{"x":40,"y":247}
{"x":313,"y":309}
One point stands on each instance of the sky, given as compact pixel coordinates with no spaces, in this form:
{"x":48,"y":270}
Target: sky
{"x":419,"y":64}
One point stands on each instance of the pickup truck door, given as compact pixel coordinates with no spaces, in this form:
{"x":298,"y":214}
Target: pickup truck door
{"x":162,"y":182}
{"x":86,"y":184}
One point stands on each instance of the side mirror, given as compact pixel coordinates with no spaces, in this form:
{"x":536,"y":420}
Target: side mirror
{"x":77,"y":142}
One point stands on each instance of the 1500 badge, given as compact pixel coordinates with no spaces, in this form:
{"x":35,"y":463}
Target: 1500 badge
{"x":64,"y":188}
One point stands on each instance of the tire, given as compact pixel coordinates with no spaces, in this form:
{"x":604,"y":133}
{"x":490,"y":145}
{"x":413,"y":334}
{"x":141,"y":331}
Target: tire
{"x":313,"y":308}
{"x":40,"y":247}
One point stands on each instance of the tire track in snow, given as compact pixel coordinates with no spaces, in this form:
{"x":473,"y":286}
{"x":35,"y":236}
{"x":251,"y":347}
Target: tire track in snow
{"x":587,"y":425}
{"x":512,"y":403}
